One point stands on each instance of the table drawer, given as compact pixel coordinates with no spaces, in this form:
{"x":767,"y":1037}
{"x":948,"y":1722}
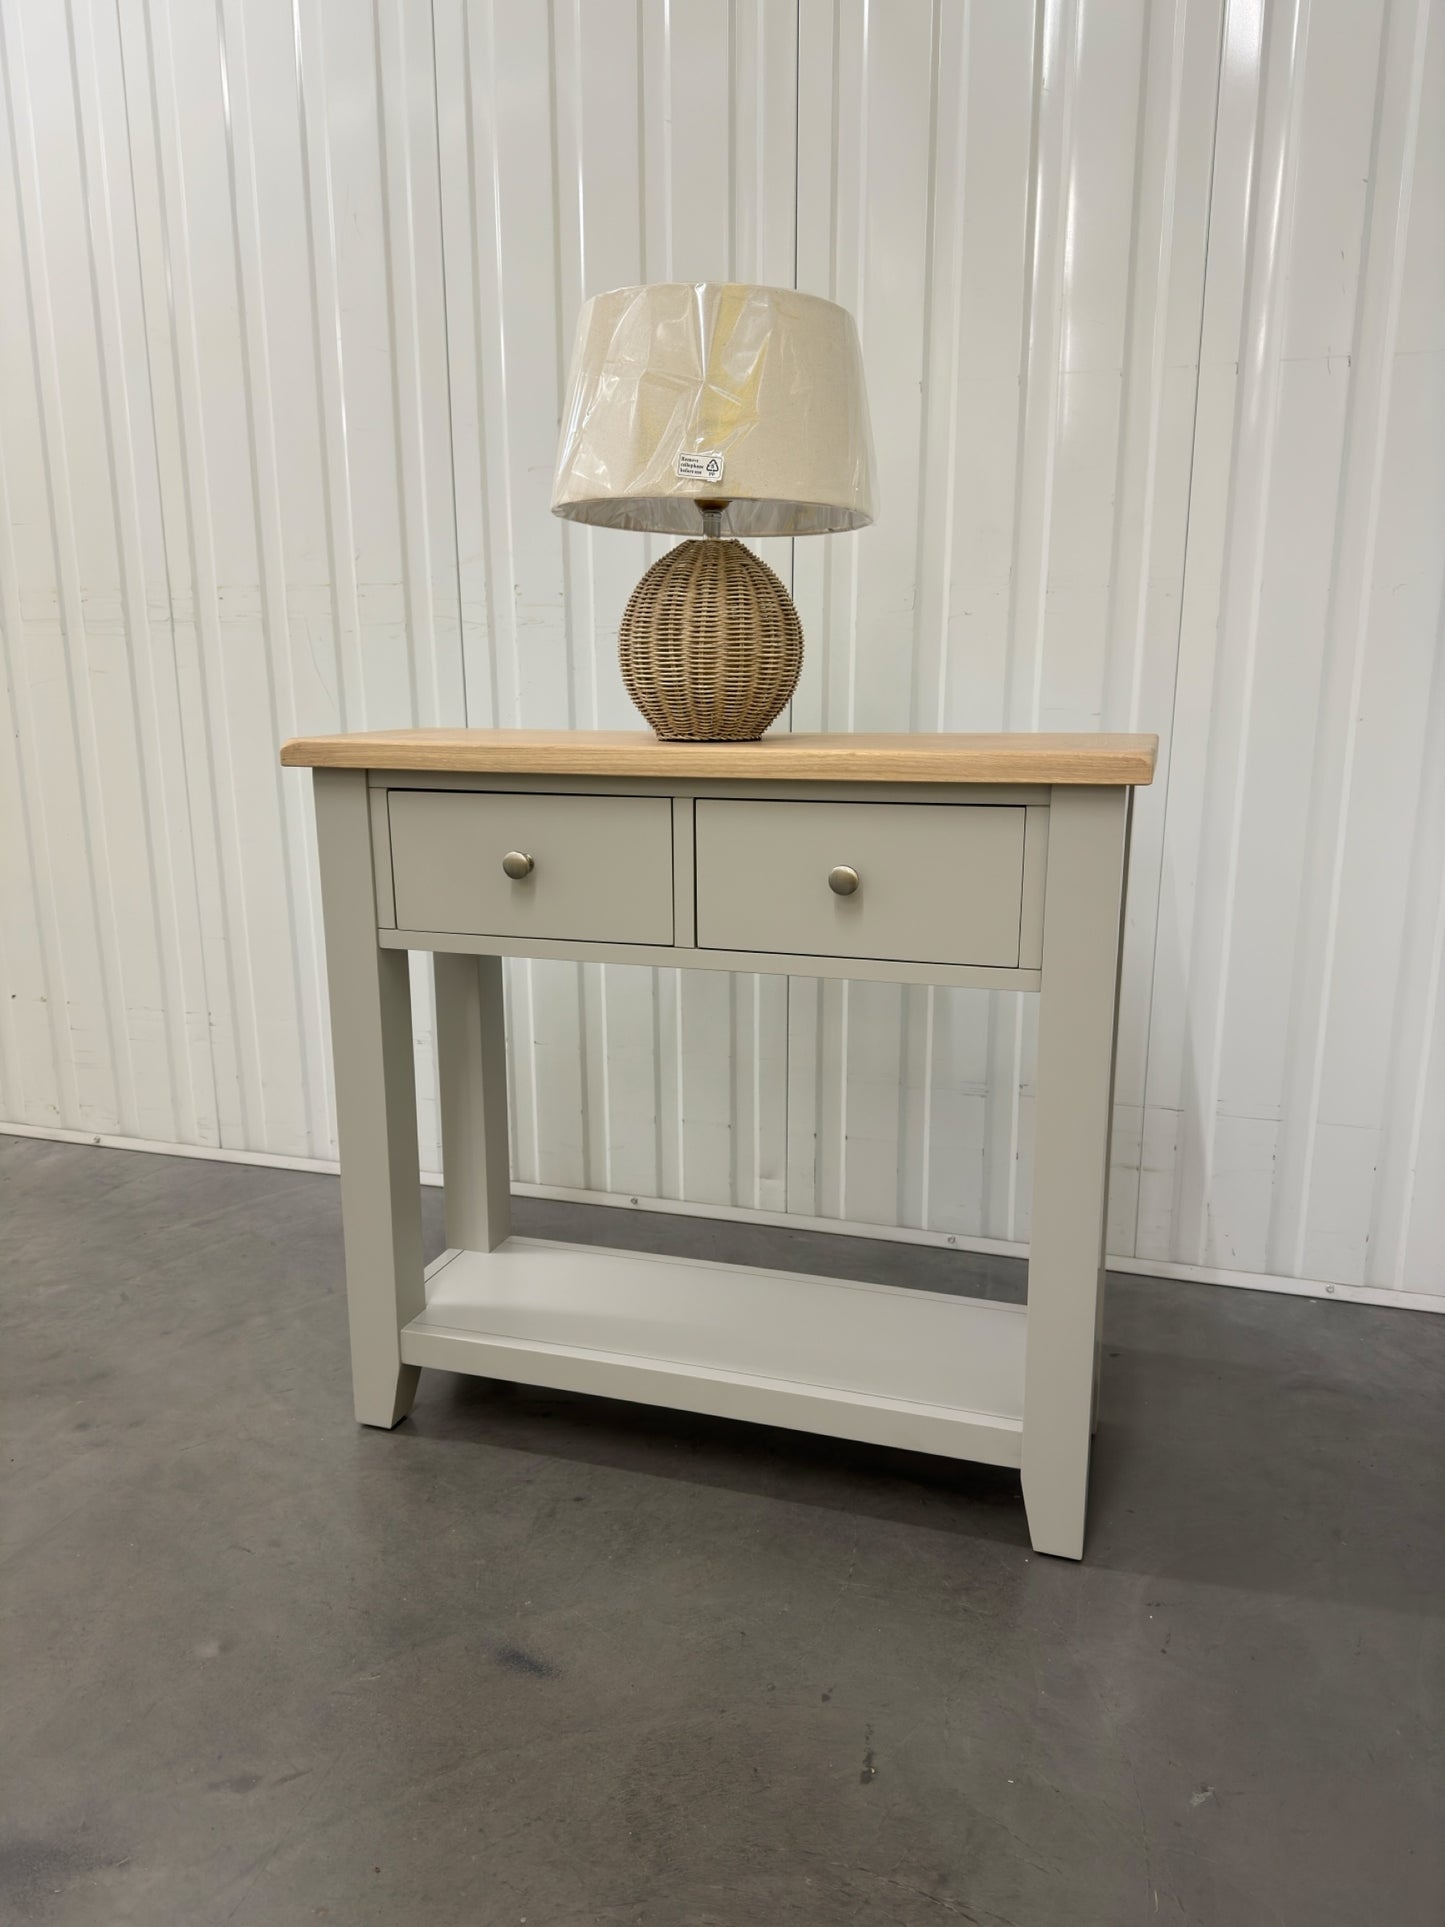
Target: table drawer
{"x":601,"y":865}
{"x":937,"y":882}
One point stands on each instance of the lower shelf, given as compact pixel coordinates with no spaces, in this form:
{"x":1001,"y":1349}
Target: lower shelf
{"x":874,"y":1362}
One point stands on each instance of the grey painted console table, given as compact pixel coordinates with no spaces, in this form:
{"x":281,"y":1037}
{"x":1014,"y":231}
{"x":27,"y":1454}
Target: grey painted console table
{"x":993,"y":861}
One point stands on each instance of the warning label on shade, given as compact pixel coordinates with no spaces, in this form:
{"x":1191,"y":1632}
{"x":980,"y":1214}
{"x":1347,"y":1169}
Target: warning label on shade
{"x":707,"y":467}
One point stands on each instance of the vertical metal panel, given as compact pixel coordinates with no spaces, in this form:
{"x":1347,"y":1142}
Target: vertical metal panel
{"x":586,"y":146}
{"x":229,"y":517}
{"x":1046,"y":365}
{"x":1147,"y":497}
{"x":1288,"y":862}
{"x":1153,"y":306}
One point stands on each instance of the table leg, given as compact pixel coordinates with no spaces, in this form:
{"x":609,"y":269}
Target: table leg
{"x":371,"y":1047}
{"x":1083,"y":908}
{"x":472,"y":1066}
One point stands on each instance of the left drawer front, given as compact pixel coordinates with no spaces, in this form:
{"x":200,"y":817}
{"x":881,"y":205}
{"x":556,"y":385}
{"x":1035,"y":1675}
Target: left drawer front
{"x":601,"y":865}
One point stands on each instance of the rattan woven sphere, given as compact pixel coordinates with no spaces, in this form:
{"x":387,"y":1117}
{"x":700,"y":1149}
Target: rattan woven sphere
{"x":710,"y":644}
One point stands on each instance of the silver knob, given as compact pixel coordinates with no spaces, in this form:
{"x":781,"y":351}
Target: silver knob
{"x":517,"y":865}
{"x":843,"y":881}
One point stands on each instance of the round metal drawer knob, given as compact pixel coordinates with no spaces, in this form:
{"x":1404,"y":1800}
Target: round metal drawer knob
{"x":843,"y":881}
{"x":517,"y":865}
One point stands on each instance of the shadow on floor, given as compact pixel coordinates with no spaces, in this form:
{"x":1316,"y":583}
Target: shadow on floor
{"x":912,"y":1488}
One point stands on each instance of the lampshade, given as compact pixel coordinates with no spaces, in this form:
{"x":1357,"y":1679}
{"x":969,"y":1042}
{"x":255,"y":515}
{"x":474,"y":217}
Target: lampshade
{"x":684,"y":393}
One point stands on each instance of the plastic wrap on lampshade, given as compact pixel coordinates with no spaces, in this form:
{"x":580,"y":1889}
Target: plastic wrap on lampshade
{"x":683,"y":394}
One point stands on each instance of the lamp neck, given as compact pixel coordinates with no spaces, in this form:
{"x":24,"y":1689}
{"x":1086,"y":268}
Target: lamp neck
{"x":712,"y":519}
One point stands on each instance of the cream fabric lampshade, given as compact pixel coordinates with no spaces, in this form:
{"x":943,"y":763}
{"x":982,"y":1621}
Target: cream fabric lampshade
{"x":715,"y":391}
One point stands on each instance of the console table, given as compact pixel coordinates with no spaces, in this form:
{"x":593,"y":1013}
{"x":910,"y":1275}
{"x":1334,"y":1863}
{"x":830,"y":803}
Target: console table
{"x":991,"y":861}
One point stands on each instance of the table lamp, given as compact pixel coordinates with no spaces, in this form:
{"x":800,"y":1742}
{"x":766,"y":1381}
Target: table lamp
{"x":714,"y":410}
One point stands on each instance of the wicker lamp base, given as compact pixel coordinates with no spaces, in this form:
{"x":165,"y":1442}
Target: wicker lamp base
{"x":710,"y":644}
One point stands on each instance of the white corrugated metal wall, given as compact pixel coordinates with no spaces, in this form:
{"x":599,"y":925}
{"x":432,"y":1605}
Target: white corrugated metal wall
{"x":1152,"y":297}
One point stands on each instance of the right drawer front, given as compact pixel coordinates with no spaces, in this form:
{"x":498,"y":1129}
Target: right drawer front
{"x":938,"y":883}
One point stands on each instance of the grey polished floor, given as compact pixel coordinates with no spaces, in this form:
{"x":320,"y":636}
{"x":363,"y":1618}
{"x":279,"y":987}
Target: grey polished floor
{"x":544,"y":1659}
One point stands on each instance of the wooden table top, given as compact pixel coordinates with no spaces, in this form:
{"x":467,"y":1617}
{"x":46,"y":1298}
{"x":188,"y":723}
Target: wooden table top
{"x":835,"y":757}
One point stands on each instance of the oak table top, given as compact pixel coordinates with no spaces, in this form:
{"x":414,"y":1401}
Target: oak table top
{"x":1085,"y":759}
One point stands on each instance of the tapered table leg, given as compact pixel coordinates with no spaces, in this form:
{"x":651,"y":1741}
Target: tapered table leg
{"x":371,"y":1046}
{"x":472,"y":1065}
{"x":1088,"y":836}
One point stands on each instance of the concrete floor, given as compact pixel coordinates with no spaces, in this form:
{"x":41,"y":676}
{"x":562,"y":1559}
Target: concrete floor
{"x":545,"y":1659}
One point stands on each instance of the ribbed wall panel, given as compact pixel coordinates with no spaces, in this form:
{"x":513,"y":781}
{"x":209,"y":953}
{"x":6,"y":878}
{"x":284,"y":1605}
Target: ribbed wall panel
{"x":1152,"y":299}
